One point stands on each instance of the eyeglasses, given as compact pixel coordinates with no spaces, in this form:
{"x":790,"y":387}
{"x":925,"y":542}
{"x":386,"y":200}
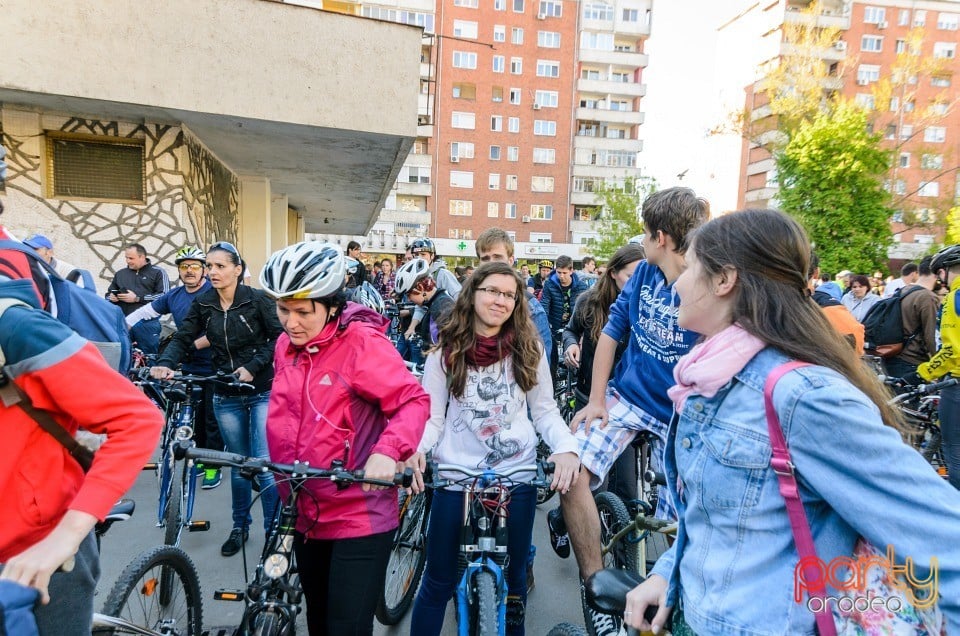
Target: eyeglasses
{"x":190,"y":267}
{"x":496,"y":293}
{"x":223,"y":245}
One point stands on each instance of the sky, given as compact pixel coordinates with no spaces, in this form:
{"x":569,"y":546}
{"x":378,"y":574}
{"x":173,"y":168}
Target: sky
{"x":682,"y":101}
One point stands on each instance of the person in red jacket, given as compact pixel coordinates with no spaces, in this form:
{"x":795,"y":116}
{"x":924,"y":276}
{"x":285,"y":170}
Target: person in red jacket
{"x":49,"y":505}
{"x":340,"y":392}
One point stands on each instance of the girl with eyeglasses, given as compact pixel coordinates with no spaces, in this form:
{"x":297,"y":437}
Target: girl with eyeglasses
{"x":242,"y":328}
{"x":487,"y":372}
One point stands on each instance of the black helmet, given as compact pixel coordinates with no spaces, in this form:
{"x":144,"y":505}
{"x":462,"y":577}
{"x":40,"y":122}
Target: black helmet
{"x":422,"y":245}
{"x":946,"y":258}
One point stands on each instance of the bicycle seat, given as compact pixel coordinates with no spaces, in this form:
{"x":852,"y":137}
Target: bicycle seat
{"x":176,"y":393}
{"x":643,"y":437}
{"x":121,"y":511}
{"x":606,"y":591}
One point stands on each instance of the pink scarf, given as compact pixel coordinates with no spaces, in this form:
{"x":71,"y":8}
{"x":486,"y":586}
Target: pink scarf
{"x":712,"y":363}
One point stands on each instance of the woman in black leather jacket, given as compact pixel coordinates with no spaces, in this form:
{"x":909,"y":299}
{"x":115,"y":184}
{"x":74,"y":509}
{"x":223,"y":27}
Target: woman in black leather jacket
{"x":241,"y":328}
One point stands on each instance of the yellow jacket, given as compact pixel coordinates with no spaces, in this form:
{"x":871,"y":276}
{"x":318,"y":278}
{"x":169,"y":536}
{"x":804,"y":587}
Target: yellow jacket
{"x":947,"y":359}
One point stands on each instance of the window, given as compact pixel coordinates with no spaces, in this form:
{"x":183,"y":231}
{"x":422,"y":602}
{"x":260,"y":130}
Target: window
{"x":544,"y":155}
{"x":865,"y":100}
{"x":548,"y":68}
{"x":939,"y":108}
{"x":418,"y":174}
{"x":867,"y":73}
{"x":945,"y":50}
{"x":909,"y":107}
{"x":511,"y":182}
{"x":421,"y":147}
{"x":596,"y":41}
{"x":496,"y":93}
{"x":929,"y":189}
{"x":461,"y":179}
{"x":470,"y":4}
{"x":495,"y":153}
{"x":493,"y":209}
{"x":630,"y":15}
{"x":598,"y":11}
{"x":518,"y":6}
{"x":465,"y":29}
{"x":509,"y":210}
{"x":900,"y":187}
{"x":95,"y":167}
{"x":545,"y":128}
{"x":541,"y":212}
{"x":494,"y":181}
{"x":547,"y":99}
{"x":498,"y":63}
{"x":513,"y":124}
{"x":871,"y":43}
{"x":499,"y":5}
{"x":415,"y":18}
{"x":461,"y":150}
{"x":550,"y":9}
{"x":496,"y":123}
{"x":906,"y":131}
{"x":589,"y":74}
{"x":948,"y":21}
{"x":463,"y":120}
{"x":931,"y":162}
{"x":499,"y":33}
{"x":462,"y":59}
{"x":464,"y":90}
{"x":894,"y":103}
{"x":891,"y":132}
{"x":901,"y":46}
{"x":940,"y":81}
{"x":516,"y":35}
{"x":904,"y":18}
{"x":513,"y":153}
{"x":541,"y":184}
{"x":516,"y":65}
{"x":583,"y":184}
{"x":515,"y":94}
{"x":622,"y":77}
{"x":874,"y":15}
{"x":548,"y":39}
{"x":456,"y":233}
{"x":919,"y":18}
{"x":622,"y":105}
{"x":904,"y":160}
{"x":935,"y":134}
{"x":461,"y":208}
{"x":541,"y":237}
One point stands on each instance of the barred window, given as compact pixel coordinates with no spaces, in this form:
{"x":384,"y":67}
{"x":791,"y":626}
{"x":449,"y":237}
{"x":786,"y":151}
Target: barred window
{"x":94,"y":167}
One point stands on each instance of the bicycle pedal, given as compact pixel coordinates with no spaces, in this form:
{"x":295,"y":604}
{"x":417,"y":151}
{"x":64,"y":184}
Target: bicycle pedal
{"x":150,"y":466}
{"x":198,"y":526}
{"x":228,"y":595}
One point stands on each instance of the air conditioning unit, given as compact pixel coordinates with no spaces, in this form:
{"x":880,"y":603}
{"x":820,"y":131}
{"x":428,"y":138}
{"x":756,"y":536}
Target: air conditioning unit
{"x":883,"y":24}
{"x":536,"y":106}
{"x":423,"y":120}
{"x":455,"y":159}
{"x":525,"y":219}
{"x":541,"y":16}
{"x":840,"y":45}
{"x":862,"y":82}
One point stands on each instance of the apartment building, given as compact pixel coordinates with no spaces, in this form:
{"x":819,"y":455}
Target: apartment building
{"x":897,"y":58}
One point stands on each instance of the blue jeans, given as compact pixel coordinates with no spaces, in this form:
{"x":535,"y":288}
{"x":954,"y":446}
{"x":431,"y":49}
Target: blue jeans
{"x":440,"y":576}
{"x":146,"y":334}
{"x":950,"y":428}
{"x":243,"y":425}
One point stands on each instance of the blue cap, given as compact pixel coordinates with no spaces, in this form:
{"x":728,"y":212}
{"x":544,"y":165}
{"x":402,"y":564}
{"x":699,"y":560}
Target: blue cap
{"x":39,"y":240}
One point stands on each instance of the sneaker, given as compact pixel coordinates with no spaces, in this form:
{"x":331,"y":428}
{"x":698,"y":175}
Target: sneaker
{"x":234,"y":542}
{"x":559,"y":538}
{"x":603,"y":624}
{"x":211,"y":478}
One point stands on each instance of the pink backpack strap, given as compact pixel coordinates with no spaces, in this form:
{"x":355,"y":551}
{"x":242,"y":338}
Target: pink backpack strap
{"x":786,"y":477}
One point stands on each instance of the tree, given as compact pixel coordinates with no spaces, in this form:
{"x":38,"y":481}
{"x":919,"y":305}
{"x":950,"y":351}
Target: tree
{"x":953,"y":226}
{"x":619,"y":220}
{"x":831,"y":180}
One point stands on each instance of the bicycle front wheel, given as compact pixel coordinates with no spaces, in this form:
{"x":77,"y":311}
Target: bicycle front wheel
{"x":407,"y":559}
{"x":137,"y":598}
{"x":484,"y":615}
{"x":269,"y":624}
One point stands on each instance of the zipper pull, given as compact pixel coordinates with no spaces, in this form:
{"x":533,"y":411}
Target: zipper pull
{"x":346,"y":451}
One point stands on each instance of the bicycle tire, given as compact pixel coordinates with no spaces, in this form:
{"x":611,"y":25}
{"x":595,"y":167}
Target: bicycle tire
{"x":268,"y":624}
{"x":931,"y":452}
{"x":407,"y":559}
{"x":484,"y":619}
{"x":172,"y":525}
{"x":613,"y":517}
{"x":544,"y":494}
{"x":567,"y":629}
{"x":134,"y":596}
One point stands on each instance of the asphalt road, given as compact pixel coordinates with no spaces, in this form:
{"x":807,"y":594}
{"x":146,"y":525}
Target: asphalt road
{"x":555,"y":598}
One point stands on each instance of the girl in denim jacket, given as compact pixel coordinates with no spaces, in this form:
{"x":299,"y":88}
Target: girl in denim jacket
{"x":731,"y":569}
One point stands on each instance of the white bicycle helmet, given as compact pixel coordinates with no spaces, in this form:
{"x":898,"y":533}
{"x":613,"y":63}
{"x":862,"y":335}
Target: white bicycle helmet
{"x":309,"y":269}
{"x":368,"y":296}
{"x":189,"y":253}
{"x":409,"y":273}
{"x":351,"y":264}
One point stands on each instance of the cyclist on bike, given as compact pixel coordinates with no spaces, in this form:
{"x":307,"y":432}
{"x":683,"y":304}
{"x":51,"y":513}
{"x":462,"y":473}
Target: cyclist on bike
{"x":176,"y":302}
{"x":414,"y":280}
{"x":488,"y":366}
{"x":341,"y":392}
{"x":423,"y":248}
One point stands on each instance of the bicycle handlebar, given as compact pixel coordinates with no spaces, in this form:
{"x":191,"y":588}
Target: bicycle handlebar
{"x":541,"y":468}
{"x":920,"y":389}
{"x":254,"y":465}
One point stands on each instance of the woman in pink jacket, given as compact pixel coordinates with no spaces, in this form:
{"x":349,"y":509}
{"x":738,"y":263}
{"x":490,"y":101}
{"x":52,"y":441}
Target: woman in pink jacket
{"x":340,"y":392}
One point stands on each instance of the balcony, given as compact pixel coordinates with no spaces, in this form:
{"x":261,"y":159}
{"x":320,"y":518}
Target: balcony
{"x":583,"y":198}
{"x":827,"y":20}
{"x":629,"y":117}
{"x":603,"y":143}
{"x":414,"y":189}
{"x":617,"y":58}
{"x":426,"y":70}
{"x":609,"y":87}
{"x":421,"y":217}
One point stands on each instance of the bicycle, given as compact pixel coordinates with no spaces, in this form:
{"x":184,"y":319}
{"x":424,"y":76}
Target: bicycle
{"x":920,"y":406}
{"x":481,"y":595}
{"x":273,"y":596}
{"x":175,"y":509}
{"x":606,"y":592}
{"x":407,"y":557}
{"x":157,"y":594}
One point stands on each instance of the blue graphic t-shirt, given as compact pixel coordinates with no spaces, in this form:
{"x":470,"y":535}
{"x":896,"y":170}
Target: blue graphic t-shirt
{"x":646,"y":311}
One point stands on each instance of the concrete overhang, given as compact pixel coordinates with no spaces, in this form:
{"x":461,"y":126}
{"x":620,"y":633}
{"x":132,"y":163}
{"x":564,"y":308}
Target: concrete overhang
{"x":321,"y":104}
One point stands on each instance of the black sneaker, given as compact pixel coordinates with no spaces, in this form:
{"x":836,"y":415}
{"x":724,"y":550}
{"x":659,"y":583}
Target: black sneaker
{"x":234,"y":542}
{"x":559,"y":538}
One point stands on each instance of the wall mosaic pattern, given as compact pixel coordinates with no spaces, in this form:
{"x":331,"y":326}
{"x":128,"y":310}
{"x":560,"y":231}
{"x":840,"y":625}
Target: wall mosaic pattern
{"x":212,"y":195}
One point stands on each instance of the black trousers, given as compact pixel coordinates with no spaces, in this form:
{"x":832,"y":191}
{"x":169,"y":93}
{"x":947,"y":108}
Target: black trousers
{"x":342,"y":580}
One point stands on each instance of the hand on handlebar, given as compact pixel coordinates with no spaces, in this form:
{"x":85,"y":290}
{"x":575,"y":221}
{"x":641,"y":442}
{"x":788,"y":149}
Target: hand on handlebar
{"x":418,"y":463}
{"x":572,"y":356}
{"x":653,"y":591}
{"x":379,"y":467}
{"x":243,"y":375}
{"x":161,"y":373}
{"x":566,"y":471}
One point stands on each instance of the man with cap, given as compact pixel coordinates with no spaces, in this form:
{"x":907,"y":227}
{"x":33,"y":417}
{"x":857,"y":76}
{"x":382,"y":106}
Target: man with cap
{"x":44,"y":247}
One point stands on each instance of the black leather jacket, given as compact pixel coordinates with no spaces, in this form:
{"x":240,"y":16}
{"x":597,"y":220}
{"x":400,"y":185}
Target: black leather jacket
{"x":242,"y":336}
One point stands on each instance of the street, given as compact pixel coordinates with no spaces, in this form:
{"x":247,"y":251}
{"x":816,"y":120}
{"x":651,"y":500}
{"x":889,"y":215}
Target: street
{"x":555,"y":598}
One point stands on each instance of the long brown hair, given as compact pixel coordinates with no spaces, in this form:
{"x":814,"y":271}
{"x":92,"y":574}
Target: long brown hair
{"x":595,"y":304}
{"x":771,"y":253}
{"x":458,"y":335}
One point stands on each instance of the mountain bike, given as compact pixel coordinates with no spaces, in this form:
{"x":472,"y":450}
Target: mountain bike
{"x":407,"y":557}
{"x":920,"y":406}
{"x":481,"y":595}
{"x":606,"y":593}
{"x":273,"y":597}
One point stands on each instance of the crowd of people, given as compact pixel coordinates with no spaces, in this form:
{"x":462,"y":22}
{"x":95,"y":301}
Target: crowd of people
{"x":676,"y":337}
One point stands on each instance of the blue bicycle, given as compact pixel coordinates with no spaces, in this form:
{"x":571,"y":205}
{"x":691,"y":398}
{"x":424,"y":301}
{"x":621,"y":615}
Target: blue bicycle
{"x":481,"y":597}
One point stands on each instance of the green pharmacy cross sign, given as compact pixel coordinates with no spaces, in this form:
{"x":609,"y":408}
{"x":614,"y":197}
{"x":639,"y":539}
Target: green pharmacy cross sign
{"x":461,"y":245}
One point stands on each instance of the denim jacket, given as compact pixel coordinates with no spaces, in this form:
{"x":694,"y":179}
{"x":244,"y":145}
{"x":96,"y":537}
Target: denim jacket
{"x":732,"y":565}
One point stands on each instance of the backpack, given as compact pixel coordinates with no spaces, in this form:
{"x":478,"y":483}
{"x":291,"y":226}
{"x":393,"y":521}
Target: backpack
{"x":81,"y":309}
{"x":883,"y":326}
{"x":83,"y":278}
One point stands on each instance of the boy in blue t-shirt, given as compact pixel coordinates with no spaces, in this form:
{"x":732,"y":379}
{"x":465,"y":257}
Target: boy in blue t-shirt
{"x":635,"y":398}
